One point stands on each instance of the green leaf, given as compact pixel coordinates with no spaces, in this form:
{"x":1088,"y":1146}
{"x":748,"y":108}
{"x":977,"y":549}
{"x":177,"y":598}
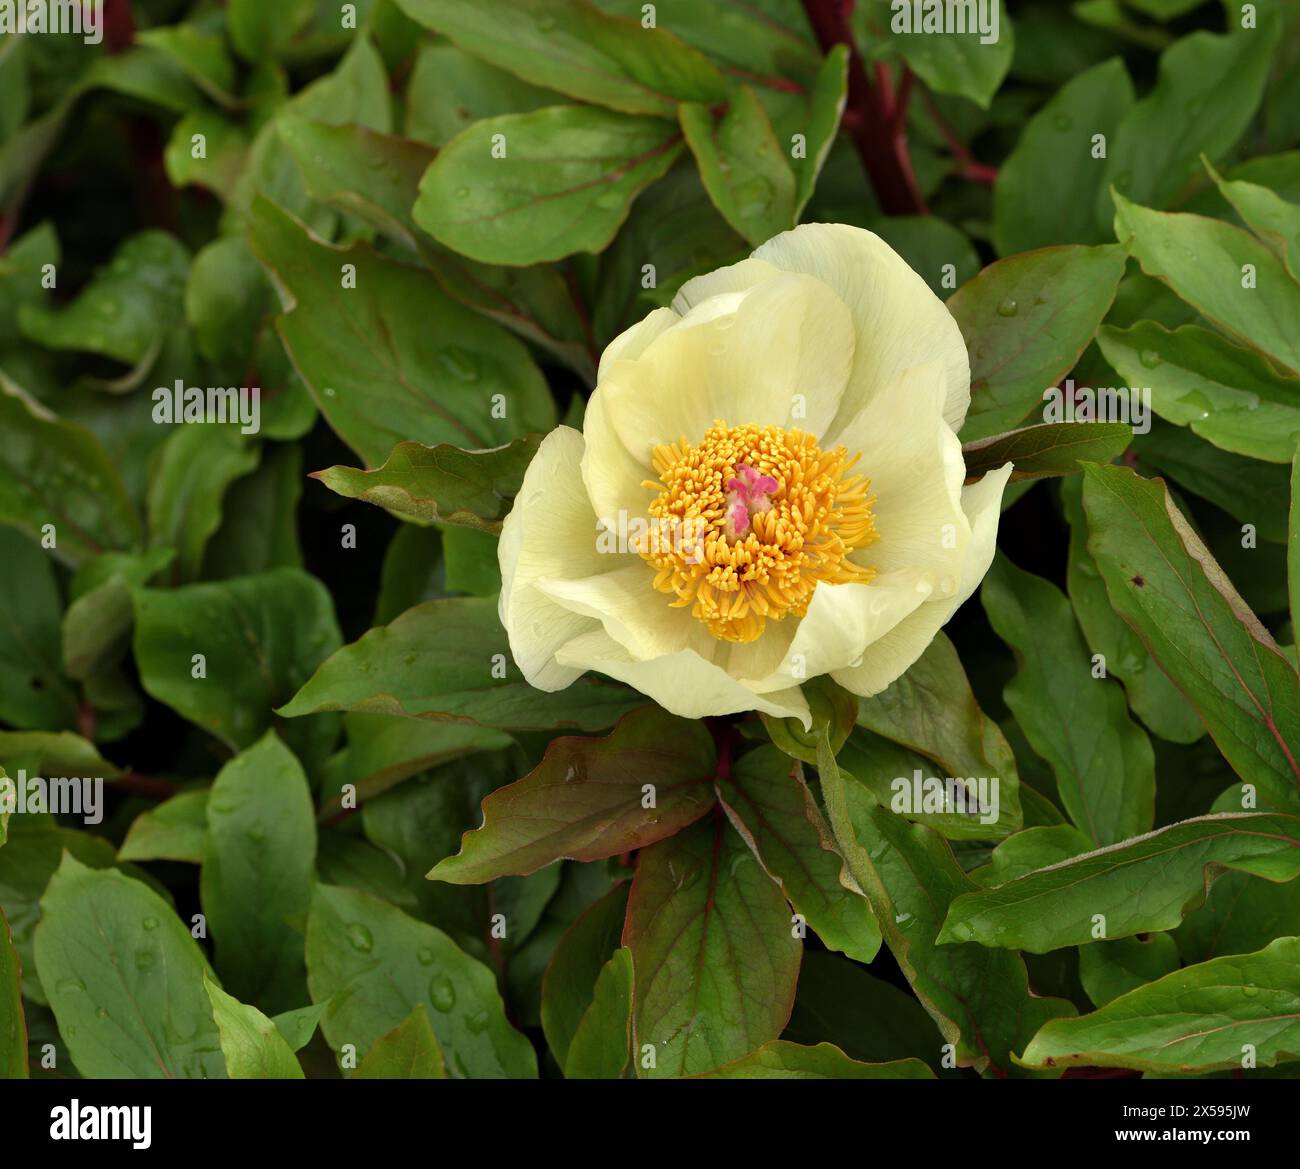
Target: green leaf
{"x":931,"y":710}
{"x":355,"y":169}
{"x":526,"y":188}
{"x":176,"y":830}
{"x":442,"y":483}
{"x":21,"y":269}
{"x":202,"y":55}
{"x":1110,"y":969}
{"x":1051,"y":449}
{"x":34,"y":691}
{"x":28,"y":860}
{"x":970,"y":64}
{"x":394,"y":358}
{"x":357,"y":91}
{"x":1267,"y":214}
{"x":872,"y":1020}
{"x":772,"y":41}
{"x":1254,"y":492}
{"x":256,"y":880}
{"x":376,"y":177}
{"x":253,"y":1047}
{"x":1166,"y":585}
{"x":715,"y":956}
{"x":383,"y":750}
{"x":1048,"y":187}
{"x":448,"y":661}
{"x":1034,"y":848}
{"x":1293,"y":550}
{"x":825,"y":108}
{"x":1230,"y":396}
{"x":13,"y":1024}
{"x":573,"y":47}
{"x":769,"y":804}
{"x":258,"y":32}
{"x":1207,"y":90}
{"x":1139,"y":885}
{"x":1027,"y":320}
{"x":588,"y":799}
{"x":602,"y":1045}
{"x":743,"y":166}
{"x":409,"y":1051}
{"x":259,"y":524}
{"x":450,"y":90}
{"x":125,"y":310}
{"x":259,"y":637}
{"x":978,"y":997}
{"x":470,"y":563}
{"x":225,"y":152}
{"x":1151,"y":695}
{"x":226,"y":298}
{"x":299,"y":1026}
{"x":570,"y":981}
{"x":1204,"y":262}
{"x":97,"y":624}
{"x":673,"y":226}
{"x":195,"y":467}
{"x":781,"y":1060}
{"x":1106,"y":772}
{"x":373,"y":966}
{"x":57,"y":473}
{"x":124,"y":978}
{"x":1196,"y":1020}
{"x":1242,"y":913}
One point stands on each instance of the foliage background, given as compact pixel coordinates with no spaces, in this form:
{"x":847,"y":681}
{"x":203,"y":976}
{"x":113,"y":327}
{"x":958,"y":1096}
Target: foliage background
{"x":481,"y":294}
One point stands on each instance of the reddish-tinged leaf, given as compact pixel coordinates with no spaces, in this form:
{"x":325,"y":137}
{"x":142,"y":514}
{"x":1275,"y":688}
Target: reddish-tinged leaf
{"x":714,"y":951}
{"x":770,"y":805}
{"x":588,"y":798}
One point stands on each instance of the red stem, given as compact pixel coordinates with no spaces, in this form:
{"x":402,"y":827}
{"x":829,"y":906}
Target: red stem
{"x":119,"y":25}
{"x":899,"y":123}
{"x":969,"y":168}
{"x":881,"y":144}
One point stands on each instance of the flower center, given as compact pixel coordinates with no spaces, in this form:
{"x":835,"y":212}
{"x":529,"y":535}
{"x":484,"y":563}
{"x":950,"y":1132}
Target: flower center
{"x":749,"y":520}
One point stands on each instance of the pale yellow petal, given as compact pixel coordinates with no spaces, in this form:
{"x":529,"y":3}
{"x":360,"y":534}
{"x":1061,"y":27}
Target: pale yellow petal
{"x":613,"y":476}
{"x":551,"y":531}
{"x":915,"y":465}
{"x":888,"y":658}
{"x":640,"y":619}
{"x":631,"y":343}
{"x":732,"y":278}
{"x":776,"y":355}
{"x":683,"y":683}
{"x":899,"y":321}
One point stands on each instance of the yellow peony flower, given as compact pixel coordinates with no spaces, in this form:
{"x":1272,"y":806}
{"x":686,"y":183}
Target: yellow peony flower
{"x":767,"y":488}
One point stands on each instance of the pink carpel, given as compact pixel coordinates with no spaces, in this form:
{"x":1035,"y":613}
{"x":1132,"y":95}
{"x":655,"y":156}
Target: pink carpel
{"x":748,"y":495}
